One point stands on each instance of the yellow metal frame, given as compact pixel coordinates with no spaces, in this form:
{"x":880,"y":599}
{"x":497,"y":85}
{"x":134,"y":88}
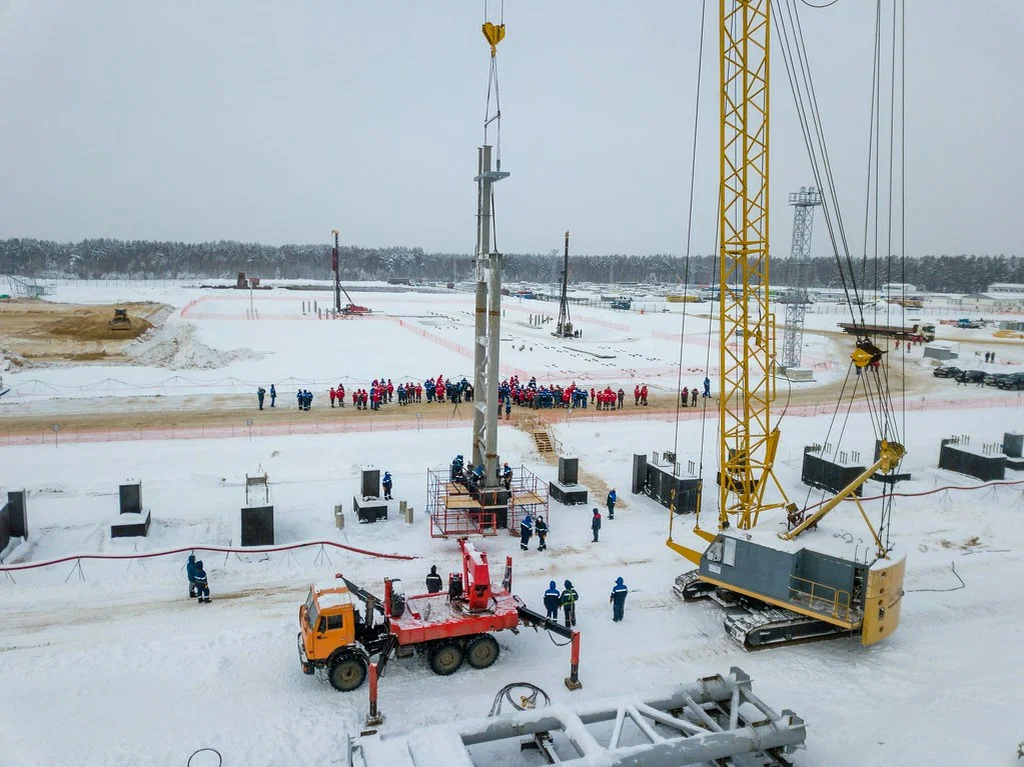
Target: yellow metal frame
{"x":747,"y":327}
{"x":840,"y":606}
{"x":848,"y":625}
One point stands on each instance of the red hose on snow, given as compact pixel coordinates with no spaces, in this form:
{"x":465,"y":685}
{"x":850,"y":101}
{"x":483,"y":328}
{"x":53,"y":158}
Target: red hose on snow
{"x":220,"y":549}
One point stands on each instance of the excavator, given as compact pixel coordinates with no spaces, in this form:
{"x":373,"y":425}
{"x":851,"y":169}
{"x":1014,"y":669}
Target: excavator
{"x":791,"y":586}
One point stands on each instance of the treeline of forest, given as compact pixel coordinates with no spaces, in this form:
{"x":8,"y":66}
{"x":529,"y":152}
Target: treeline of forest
{"x":106,"y":258}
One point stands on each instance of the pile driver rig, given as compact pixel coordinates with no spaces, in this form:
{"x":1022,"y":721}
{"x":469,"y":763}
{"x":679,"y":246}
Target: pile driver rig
{"x":783,"y":588}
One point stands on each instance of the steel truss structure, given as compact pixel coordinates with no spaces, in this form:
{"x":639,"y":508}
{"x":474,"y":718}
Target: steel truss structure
{"x":718,"y":720}
{"x":804,"y":202}
{"x":747,"y":327}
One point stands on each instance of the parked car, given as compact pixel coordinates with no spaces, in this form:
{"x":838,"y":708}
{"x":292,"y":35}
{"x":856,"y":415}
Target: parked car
{"x":992,"y":379}
{"x":970,"y":376}
{"x":1014,"y":381}
{"x":947,"y":372}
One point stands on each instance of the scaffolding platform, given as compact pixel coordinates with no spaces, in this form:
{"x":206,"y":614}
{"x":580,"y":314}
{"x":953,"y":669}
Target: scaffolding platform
{"x":456,"y":509}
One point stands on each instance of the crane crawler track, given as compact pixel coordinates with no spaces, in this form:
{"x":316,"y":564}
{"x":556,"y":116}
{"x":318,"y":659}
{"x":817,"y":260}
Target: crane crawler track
{"x":756,"y":625}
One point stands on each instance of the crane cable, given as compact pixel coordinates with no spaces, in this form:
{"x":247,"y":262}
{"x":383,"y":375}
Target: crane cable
{"x":881,"y":411}
{"x":689,"y":230}
{"x":494,"y":33}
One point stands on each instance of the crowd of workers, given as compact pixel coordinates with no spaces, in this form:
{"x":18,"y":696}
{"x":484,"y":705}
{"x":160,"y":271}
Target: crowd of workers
{"x":510,"y":392}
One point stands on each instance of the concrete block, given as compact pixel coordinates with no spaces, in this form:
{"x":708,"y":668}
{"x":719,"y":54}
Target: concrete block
{"x":129,"y":525}
{"x":570,"y":495}
{"x":257,"y":525}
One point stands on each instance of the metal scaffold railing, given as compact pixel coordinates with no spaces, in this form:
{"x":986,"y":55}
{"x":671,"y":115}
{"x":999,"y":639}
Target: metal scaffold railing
{"x":457,"y":507}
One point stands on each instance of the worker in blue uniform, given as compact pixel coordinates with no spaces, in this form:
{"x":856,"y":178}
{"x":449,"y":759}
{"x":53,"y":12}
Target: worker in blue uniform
{"x":618,"y":599}
{"x":525,"y":531}
{"x":552,"y":601}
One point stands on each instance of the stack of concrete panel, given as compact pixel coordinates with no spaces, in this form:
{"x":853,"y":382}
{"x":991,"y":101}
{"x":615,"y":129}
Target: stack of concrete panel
{"x":1013,"y":447}
{"x":567,"y":490}
{"x":963,"y":460}
{"x":368,"y":506}
{"x":258,"y":525}
{"x":639,"y":478}
{"x":681,"y":494}
{"x":133,"y":519}
{"x":257,"y":516}
{"x":18,"y":513}
{"x":826,"y":473}
{"x":5,"y":527}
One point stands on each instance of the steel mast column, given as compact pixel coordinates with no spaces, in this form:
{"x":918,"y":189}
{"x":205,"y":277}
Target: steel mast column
{"x":483,"y":246}
{"x":487,"y":327}
{"x":491,"y":478}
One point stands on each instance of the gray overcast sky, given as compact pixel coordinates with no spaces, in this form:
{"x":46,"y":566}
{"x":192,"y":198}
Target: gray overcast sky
{"x":276,"y":122}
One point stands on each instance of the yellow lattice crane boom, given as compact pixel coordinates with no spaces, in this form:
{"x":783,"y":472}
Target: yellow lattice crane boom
{"x":746,"y":325}
{"x":822,"y":593}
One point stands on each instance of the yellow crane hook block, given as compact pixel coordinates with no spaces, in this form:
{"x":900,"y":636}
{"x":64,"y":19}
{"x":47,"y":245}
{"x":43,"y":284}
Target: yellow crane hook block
{"x":494,"y":33}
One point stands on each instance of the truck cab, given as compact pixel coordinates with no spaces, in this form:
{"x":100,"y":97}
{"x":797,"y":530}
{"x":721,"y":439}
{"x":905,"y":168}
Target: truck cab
{"x":327,"y":620}
{"x":328,"y":639}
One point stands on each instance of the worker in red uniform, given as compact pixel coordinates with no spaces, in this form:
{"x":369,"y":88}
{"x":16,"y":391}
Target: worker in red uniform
{"x":340,"y":391}
{"x":636,"y":395}
{"x":685,"y":396}
{"x":391,"y":390}
{"x":419,"y":392}
{"x":643,"y":395}
{"x":333,"y":395}
{"x":355,"y":398}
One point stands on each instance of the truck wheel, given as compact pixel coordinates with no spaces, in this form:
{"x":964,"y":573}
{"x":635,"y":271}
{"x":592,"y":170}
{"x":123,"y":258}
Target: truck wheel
{"x":347,"y":673}
{"x":482,"y":651}
{"x":446,"y":658}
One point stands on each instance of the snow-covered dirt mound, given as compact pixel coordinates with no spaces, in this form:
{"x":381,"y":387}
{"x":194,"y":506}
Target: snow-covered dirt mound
{"x":176,"y":347}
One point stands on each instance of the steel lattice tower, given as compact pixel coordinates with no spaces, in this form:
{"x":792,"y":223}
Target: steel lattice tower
{"x":804,"y":202}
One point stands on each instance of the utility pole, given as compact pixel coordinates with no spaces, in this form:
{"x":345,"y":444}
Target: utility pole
{"x":804,"y":202}
{"x":337,"y":274}
{"x":564,"y":327}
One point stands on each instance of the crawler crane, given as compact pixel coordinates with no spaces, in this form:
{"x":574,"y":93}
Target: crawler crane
{"x":781,"y":588}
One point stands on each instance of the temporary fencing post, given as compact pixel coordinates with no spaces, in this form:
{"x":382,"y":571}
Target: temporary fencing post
{"x":322,"y":555}
{"x":78,"y":567}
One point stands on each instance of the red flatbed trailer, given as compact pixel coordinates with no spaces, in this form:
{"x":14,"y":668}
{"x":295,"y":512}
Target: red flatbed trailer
{"x":429,"y":617}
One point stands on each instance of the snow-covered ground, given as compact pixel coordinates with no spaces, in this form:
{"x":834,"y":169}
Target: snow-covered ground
{"x":228,"y":342}
{"x":110,"y":665}
{"x":121,"y":669}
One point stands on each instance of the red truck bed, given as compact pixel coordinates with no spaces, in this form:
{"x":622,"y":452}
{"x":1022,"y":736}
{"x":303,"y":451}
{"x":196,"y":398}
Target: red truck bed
{"x":432,"y":616}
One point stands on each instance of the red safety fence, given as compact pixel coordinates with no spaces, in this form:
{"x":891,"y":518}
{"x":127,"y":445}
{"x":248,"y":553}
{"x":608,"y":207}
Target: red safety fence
{"x":215,"y":549}
{"x":76,"y":435}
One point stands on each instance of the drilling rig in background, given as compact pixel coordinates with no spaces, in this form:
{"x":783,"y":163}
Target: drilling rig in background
{"x":564,"y":327}
{"x":351,"y":308}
